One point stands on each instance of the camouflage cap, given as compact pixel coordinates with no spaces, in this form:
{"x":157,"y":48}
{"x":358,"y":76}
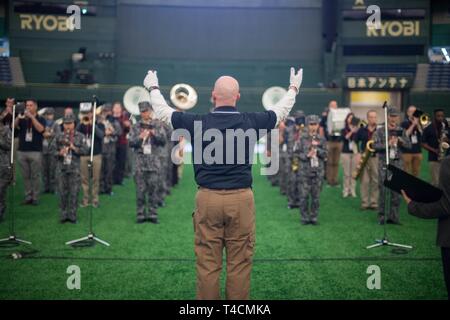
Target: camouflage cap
{"x":312,"y":118}
{"x":144,"y":106}
{"x":49,"y":110}
{"x":393,"y":112}
{"x":69,"y":118}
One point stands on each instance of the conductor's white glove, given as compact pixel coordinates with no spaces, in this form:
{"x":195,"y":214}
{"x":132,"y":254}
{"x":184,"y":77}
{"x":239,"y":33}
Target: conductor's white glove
{"x":296,"y":79}
{"x":151,"y":80}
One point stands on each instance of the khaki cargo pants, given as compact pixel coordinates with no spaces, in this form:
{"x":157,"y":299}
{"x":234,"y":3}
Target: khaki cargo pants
{"x":224,"y":219}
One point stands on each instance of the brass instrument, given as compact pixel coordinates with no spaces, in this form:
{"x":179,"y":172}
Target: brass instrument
{"x":183,"y":96}
{"x":295,"y":164}
{"x":424,"y":119}
{"x":272,"y":95}
{"x":131,"y":100}
{"x":84,"y":119}
{"x":365,"y":157}
{"x":443,"y":144}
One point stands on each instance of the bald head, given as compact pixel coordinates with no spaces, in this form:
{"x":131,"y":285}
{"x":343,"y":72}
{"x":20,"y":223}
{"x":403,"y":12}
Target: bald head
{"x":226,"y":91}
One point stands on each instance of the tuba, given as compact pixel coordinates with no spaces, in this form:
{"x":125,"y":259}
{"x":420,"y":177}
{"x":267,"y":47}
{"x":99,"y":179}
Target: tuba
{"x":183,"y":96}
{"x":272,"y":95}
{"x":365,"y":157}
{"x":131,"y":100}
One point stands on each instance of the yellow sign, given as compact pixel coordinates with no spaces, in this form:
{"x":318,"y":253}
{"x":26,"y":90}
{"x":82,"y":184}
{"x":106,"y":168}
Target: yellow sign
{"x":44,"y":22}
{"x":396,"y":29}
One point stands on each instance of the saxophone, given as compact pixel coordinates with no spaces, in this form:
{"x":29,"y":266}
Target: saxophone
{"x":365,"y":157}
{"x":443,"y":144}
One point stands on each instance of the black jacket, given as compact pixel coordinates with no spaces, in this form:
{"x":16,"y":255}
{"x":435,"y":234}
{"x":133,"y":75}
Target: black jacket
{"x":437,"y":210}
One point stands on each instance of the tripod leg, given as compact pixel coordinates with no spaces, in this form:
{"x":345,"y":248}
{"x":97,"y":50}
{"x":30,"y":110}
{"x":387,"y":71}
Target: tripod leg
{"x":374,"y":245}
{"x":400,"y":245}
{"x":101,"y":241}
{"x":23,"y":241}
{"x":77,"y":240}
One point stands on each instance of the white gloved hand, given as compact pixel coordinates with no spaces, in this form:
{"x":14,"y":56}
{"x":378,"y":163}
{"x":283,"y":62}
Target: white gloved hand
{"x":151,"y":80}
{"x":296,"y":78}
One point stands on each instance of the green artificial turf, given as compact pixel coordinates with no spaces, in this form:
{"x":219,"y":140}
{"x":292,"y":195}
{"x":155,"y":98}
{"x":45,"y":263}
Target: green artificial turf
{"x":148,"y":261}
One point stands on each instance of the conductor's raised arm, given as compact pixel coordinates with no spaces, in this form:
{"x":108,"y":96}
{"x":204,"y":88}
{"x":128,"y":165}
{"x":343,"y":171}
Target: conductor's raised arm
{"x":162,"y":110}
{"x":284,"y":106}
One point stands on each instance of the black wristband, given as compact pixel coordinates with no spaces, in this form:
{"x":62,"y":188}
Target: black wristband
{"x":152,"y":88}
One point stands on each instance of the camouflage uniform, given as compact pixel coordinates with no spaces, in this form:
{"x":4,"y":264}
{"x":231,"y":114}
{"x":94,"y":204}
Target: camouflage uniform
{"x":68,"y":173}
{"x":395,"y":159}
{"x":48,"y":158}
{"x":109,"y":155}
{"x":163,"y":154}
{"x":273,"y":178}
{"x":5,"y":169}
{"x":292,"y":137}
{"x":283,"y":166}
{"x":311,"y":175}
{"x":147,"y":167}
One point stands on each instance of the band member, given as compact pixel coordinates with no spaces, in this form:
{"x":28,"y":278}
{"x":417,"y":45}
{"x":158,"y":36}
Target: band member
{"x":6,"y":115}
{"x":225,"y":210}
{"x":112,"y":132}
{"x":146,"y":137}
{"x":349,"y":155}
{"x":369,"y":176}
{"x":283,"y":156}
{"x":122,"y":142}
{"x":60,"y":125}
{"x":85,"y":127}
{"x":412,"y":157}
{"x":312,"y":153}
{"x":273,"y":178}
{"x":396,"y":138}
{"x":5,"y":165}
{"x":30,"y":127}
{"x":48,"y":158}
{"x":67,"y":147}
{"x":334,"y":149}
{"x":293,"y":137}
{"x":434,"y":138}
{"x":163,"y":153}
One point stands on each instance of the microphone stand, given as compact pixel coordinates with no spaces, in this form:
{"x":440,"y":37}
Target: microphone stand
{"x":387,"y":202}
{"x":12,"y":238}
{"x":91,"y":237}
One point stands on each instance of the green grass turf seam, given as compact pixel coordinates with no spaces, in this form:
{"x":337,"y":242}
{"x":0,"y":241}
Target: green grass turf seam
{"x":257,"y":260}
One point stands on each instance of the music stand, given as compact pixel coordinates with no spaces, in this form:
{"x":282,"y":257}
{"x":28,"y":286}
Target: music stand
{"x":387,"y":203}
{"x":12,"y":238}
{"x":91,"y":237}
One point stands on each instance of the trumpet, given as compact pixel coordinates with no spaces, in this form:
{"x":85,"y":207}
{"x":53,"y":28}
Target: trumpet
{"x":295,"y":164}
{"x":85,"y":120}
{"x":365,"y":157}
{"x":424,"y":119}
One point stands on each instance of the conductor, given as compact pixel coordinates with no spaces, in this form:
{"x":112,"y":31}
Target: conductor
{"x":224,"y":216}
{"x":439,"y":210}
